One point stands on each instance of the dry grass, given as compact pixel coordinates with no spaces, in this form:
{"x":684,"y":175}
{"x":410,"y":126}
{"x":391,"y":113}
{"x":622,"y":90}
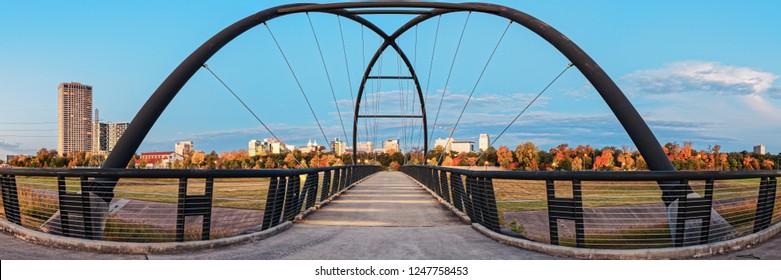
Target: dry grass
{"x":36,"y":206}
{"x":735,"y":200}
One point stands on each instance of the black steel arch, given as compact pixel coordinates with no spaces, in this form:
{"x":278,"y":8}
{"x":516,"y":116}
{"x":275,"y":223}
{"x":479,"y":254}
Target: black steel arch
{"x":627,"y":115}
{"x":153,"y":108}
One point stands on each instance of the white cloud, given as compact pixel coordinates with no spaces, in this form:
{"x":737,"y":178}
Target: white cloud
{"x":702,"y":76}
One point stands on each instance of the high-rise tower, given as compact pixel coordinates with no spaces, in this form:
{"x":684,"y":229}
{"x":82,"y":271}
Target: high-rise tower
{"x":74,"y":117}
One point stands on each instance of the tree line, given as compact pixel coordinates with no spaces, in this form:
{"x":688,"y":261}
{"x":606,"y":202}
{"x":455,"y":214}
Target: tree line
{"x":526,"y":156}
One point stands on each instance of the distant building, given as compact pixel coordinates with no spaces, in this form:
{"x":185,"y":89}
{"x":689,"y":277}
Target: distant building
{"x":105,"y":135}
{"x":252,"y":147}
{"x":444,"y":143}
{"x":157,"y":159}
{"x":759,"y":149}
{"x":267,"y":146}
{"x":74,"y":117}
{"x":338,"y":146}
{"x":390,"y":146}
{"x":484,"y":141}
{"x":310,"y":147}
{"x":183,"y":148}
{"x":463,"y":146}
{"x":365,"y":147}
{"x":458,"y":146}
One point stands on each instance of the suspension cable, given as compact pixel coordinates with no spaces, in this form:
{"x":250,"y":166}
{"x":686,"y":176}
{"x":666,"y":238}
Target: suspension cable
{"x":250,"y":111}
{"x":402,"y":103}
{"x":301,"y":88}
{"x":428,"y":78}
{"x":479,"y":78}
{"x":447,"y":81}
{"x":363,"y":63}
{"x":346,"y":62}
{"x":330,"y":84}
{"x":522,"y":112}
{"x":412,"y":103}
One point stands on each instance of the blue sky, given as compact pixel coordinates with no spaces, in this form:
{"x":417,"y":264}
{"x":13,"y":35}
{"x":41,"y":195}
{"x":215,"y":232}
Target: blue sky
{"x":699,"y":71}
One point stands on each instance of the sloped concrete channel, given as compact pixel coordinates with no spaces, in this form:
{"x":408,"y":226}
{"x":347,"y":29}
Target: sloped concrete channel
{"x":387,"y":216}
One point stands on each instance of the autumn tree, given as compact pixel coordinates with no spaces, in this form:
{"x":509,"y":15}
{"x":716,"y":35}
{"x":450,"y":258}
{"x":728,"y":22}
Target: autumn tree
{"x":528,"y":156}
{"x":767,"y":164}
{"x":505,"y":157}
{"x":605,"y":160}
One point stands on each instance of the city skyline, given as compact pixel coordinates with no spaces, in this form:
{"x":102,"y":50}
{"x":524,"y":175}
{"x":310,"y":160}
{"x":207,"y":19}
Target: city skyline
{"x":690,"y":87}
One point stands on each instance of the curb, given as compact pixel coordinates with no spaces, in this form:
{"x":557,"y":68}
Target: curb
{"x":114,"y":247}
{"x":697,"y":251}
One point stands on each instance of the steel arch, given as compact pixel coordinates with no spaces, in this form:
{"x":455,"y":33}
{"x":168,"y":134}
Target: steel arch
{"x":627,"y":115}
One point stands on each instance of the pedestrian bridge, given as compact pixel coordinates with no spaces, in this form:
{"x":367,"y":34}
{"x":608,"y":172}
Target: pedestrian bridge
{"x":357,"y":211}
{"x":361,"y":212}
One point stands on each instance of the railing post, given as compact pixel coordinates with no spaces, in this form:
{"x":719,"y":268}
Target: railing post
{"x":476,"y":199}
{"x":433,"y":184}
{"x":325,"y":190}
{"x":580,"y":225}
{"x":86,"y":209}
{"x":766,"y":200}
{"x":180,"y":205}
{"x":443,"y":186}
{"x":194,"y":205}
{"x":694,"y":209}
{"x":565,"y":209}
{"x":458,"y":191}
{"x":337,"y":181}
{"x":291,"y":197}
{"x":271,"y":203}
{"x":490,"y":214}
{"x":10,"y":194}
{"x":309,"y":191}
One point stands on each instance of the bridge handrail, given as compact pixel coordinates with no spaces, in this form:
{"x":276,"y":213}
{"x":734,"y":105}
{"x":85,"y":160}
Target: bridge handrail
{"x":62,"y":201}
{"x":610,"y":209}
{"x":609,"y":175}
{"x":166,"y":173}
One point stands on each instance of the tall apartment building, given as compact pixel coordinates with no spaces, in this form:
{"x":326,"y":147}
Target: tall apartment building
{"x":759,"y":149}
{"x":484,"y":142}
{"x":338,"y":146}
{"x":105,"y":135}
{"x":74,"y":117}
{"x":115,"y":131}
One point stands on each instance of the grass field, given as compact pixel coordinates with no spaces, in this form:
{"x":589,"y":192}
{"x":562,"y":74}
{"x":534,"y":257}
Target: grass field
{"x":38,"y":201}
{"x":734,"y":200}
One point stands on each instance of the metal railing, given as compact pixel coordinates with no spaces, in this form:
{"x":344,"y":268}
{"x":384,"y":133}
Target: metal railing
{"x":610,"y":210}
{"x":163,"y":205}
